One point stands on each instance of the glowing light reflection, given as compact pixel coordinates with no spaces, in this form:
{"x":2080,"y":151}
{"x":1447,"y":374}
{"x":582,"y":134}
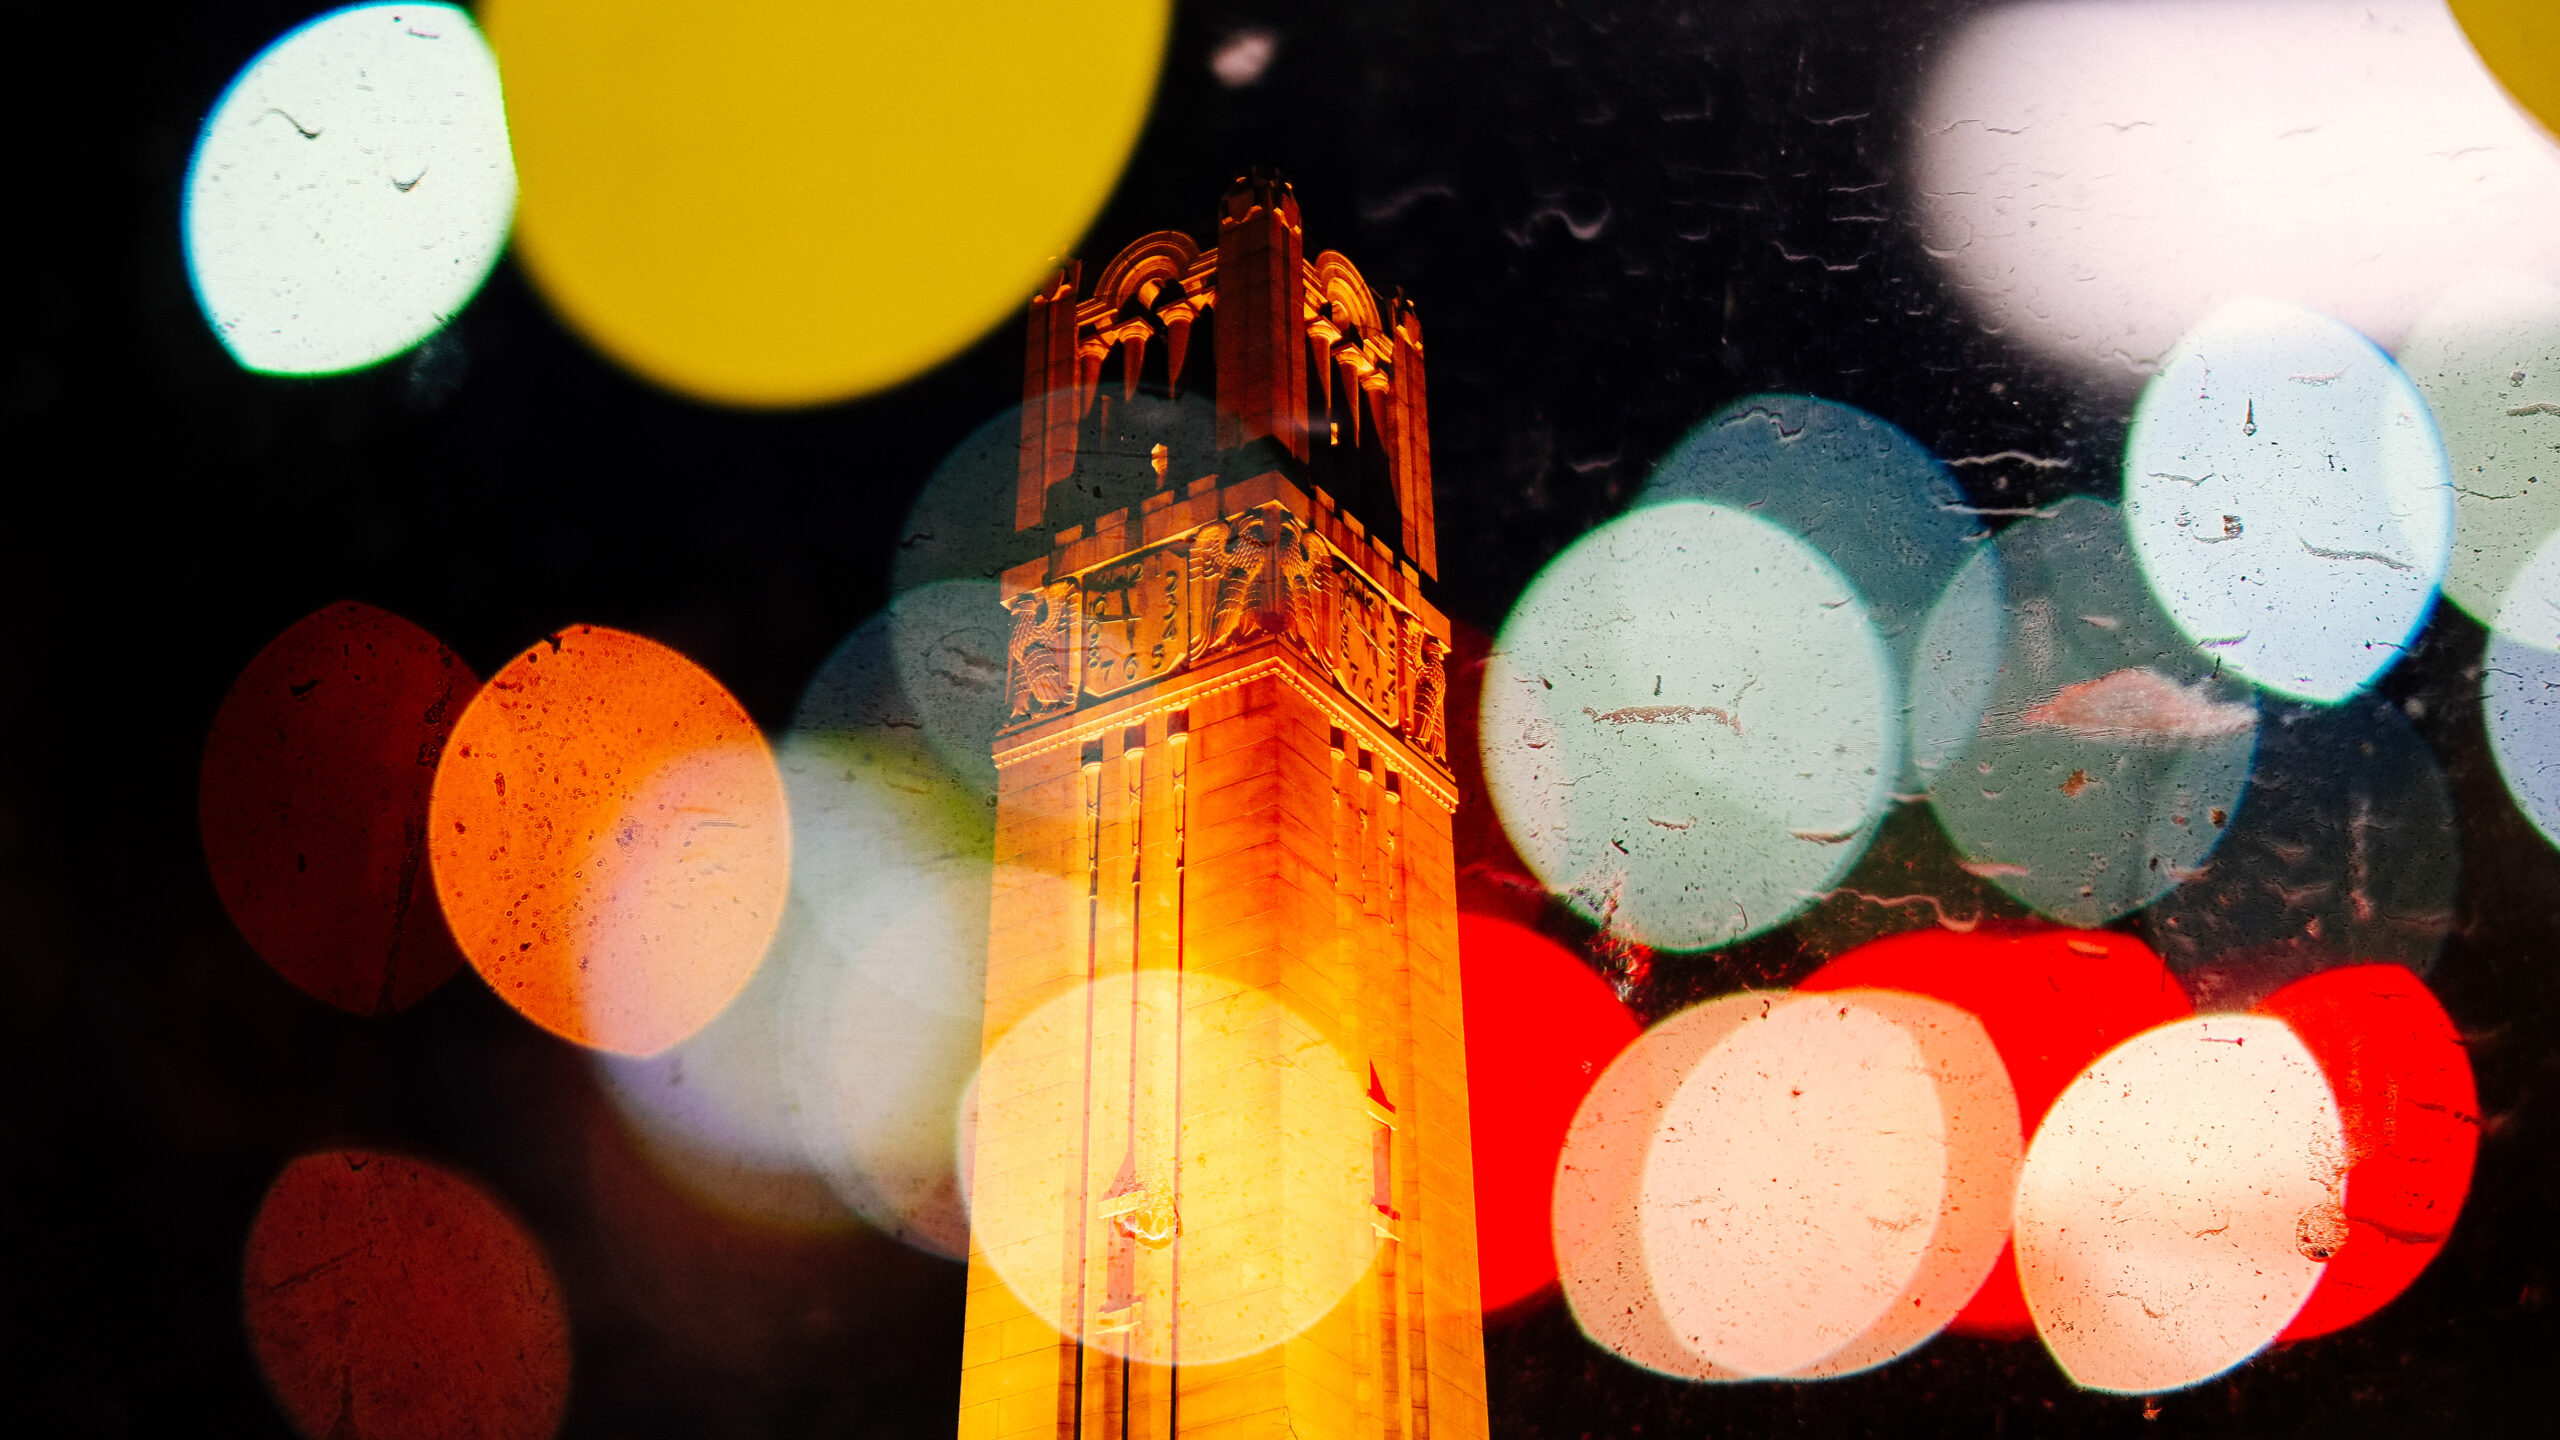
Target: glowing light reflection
{"x":2051,"y":1001}
{"x":1270,"y":1117}
{"x":2487,"y":357}
{"x":834,"y":198}
{"x":1888,"y":1133}
{"x":2403,"y":1084}
{"x":1555,"y":1026}
{"x":350,"y":190}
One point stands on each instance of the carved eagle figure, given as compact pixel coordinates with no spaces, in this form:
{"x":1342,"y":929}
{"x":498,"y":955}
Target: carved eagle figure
{"x":1037,"y":652}
{"x":1227,"y":557}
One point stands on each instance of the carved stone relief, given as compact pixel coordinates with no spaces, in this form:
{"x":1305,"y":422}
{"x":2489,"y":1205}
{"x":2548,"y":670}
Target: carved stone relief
{"x":1234,"y":581}
{"x":1426,"y":723}
{"x":1367,"y":643}
{"x":1040,"y":658}
{"x":1135,"y":620}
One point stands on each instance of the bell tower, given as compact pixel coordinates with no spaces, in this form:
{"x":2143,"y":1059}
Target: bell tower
{"x":1219,"y":1160}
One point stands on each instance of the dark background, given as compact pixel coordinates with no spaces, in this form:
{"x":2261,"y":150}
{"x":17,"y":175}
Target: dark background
{"x":1614,"y":217}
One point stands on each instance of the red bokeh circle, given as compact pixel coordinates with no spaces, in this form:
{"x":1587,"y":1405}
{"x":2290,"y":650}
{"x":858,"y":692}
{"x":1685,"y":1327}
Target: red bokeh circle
{"x":313,"y":805}
{"x":391,"y":1298}
{"x":1540,"y":1029}
{"x":2403,"y":1084}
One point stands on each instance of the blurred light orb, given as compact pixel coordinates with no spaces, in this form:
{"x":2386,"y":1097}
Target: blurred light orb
{"x":892,"y":800}
{"x":391,"y":1298}
{"x":1789,"y":1186}
{"x":313,"y":805}
{"x":2345,"y":851}
{"x":795,"y":203}
{"x":2180,"y":1202}
{"x":611,"y":840}
{"x":2108,"y":757}
{"x":2096,"y":176}
{"x":2520,"y":690}
{"x":1955,"y":665}
{"x":1241,"y":58}
{"x":2487,"y":357}
{"x":1862,"y":492}
{"x":1547,"y":1026}
{"x":351,"y":189}
{"x":882,"y":826}
{"x":2514,"y":38}
{"x":2049,"y":1001}
{"x":948,"y":643}
{"x":1273,"y":1122}
{"x":2402,"y":1079}
{"x":877,"y":1083}
{"x":717,"y":1112}
{"x":2289,"y":499}
{"x":1690,"y":725}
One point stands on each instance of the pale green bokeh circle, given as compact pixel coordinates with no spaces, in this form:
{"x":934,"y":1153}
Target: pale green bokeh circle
{"x":2487,"y":357}
{"x":1690,"y":725}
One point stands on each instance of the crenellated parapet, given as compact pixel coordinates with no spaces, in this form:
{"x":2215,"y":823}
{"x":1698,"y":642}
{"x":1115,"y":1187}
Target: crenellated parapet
{"x":1303,"y":356}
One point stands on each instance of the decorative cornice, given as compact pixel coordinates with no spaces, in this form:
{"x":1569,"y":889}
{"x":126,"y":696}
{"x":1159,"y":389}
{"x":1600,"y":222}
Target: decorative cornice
{"x":1428,"y":778}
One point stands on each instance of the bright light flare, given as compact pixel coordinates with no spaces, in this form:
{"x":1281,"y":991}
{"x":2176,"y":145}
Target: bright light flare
{"x":794,"y":202}
{"x":2104,"y":755}
{"x":350,"y":190}
{"x":2487,"y":357}
{"x":1224,"y":1206}
{"x":1886,"y":1129}
{"x":1873,"y":500}
{"x":2520,"y":690}
{"x":2180,"y":1202}
{"x":2051,"y":1001}
{"x":2096,"y":177}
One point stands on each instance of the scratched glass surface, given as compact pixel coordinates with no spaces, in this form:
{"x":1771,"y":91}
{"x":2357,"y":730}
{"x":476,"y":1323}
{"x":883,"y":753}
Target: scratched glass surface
{"x":2001,"y":568}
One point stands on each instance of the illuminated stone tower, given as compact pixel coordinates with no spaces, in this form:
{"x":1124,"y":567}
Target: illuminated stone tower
{"x":1225,"y":772}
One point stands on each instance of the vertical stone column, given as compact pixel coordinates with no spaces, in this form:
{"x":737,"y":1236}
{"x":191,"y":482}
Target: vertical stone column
{"x":1262,"y":383}
{"x":1050,"y":402}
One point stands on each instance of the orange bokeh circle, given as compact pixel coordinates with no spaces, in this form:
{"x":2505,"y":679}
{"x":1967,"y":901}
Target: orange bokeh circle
{"x":610,"y":840}
{"x":390,"y":1298}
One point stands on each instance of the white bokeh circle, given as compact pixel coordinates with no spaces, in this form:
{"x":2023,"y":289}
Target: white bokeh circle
{"x":351,"y":189}
{"x":2289,"y":499}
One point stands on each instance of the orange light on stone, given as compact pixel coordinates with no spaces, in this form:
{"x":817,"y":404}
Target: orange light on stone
{"x":390,"y":1298}
{"x":611,"y":840}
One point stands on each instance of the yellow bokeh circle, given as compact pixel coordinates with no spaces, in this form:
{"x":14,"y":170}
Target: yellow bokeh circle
{"x":2515,"y":38}
{"x":790,"y":202}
